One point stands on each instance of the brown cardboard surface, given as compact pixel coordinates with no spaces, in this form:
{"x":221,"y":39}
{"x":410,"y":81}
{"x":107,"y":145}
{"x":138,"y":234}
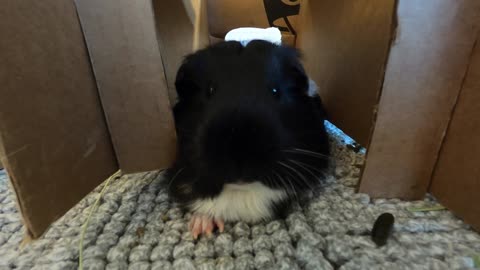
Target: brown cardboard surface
{"x":53,"y":136}
{"x":225,"y":15}
{"x":200,"y":34}
{"x":126,"y":60}
{"x":456,"y":180}
{"x":289,"y":39}
{"x":214,"y":40}
{"x":175,"y":37}
{"x":345,"y":45}
{"x":424,"y":74}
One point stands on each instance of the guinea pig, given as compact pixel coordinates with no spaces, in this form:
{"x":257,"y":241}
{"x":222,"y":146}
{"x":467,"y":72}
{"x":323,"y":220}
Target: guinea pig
{"x":251,"y":138}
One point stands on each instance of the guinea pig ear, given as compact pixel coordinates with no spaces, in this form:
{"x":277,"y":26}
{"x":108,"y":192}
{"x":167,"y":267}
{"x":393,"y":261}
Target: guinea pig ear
{"x":316,"y":100}
{"x":318,"y":107}
{"x":186,"y":81}
{"x":293,"y":68}
{"x":300,"y":76}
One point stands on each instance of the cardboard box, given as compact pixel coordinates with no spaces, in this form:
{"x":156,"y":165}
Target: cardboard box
{"x":55,"y":143}
{"x":129,"y":71}
{"x":87,"y":89}
{"x":456,"y":178}
{"x":425,"y":72}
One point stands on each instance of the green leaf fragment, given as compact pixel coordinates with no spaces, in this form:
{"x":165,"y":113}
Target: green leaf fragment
{"x":476,"y":260}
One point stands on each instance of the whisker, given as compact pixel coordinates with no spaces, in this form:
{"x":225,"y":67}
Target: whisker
{"x":307,"y":152}
{"x":307,"y":155}
{"x":321,"y":173}
{"x":302,"y":177}
{"x":279,"y":178}
{"x":287,"y":171}
{"x":284,"y":183}
{"x":303,"y":167}
{"x":174,"y":177}
{"x":294,"y":191}
{"x":316,"y":177}
{"x":289,"y":181}
{"x":309,"y":166}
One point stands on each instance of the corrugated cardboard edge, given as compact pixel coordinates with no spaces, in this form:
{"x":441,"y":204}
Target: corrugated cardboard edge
{"x":28,"y":236}
{"x":394,"y":28}
{"x":13,"y":186}
{"x":461,"y":201}
{"x":452,"y":112}
{"x":94,"y":76}
{"x":200,"y":33}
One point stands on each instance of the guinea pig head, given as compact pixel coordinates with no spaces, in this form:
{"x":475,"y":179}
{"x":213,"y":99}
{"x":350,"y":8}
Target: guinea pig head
{"x":244,"y":114}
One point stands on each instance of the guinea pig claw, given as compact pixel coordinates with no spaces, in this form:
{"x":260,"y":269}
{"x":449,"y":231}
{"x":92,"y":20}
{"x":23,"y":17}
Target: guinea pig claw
{"x":207,"y":226}
{"x":196,"y":227}
{"x":220,"y":225}
{"x":202,"y":224}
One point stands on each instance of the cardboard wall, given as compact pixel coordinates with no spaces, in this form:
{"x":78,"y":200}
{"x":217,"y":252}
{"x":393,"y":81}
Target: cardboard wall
{"x":125,"y":55}
{"x":425,"y":70}
{"x":225,"y":15}
{"x":345,"y":45}
{"x":175,"y":35}
{"x":456,"y":180}
{"x":54,"y":140}
{"x":57,"y":144}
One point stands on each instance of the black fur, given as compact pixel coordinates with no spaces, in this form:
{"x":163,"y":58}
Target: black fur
{"x":232,"y":124}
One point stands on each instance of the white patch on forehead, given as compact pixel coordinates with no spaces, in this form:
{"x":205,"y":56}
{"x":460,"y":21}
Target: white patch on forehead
{"x":246,"y":202}
{"x":246,"y":34}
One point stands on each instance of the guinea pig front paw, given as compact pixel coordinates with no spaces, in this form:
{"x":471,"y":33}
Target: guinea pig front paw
{"x":203,"y":224}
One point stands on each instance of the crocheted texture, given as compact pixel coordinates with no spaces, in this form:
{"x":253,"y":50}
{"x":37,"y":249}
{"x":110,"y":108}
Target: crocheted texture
{"x":137,"y":227}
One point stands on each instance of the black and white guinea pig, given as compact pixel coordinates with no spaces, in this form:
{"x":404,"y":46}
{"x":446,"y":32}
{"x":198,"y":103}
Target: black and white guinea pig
{"x":251,"y":137}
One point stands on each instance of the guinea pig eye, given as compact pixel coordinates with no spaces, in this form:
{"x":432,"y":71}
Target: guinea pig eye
{"x":210,"y":91}
{"x":275,"y":92}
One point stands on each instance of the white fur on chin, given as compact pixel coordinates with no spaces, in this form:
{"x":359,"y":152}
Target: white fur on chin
{"x":246,"y":202}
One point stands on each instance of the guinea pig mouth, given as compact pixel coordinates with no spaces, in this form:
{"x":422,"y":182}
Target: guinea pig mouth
{"x":240,"y":145}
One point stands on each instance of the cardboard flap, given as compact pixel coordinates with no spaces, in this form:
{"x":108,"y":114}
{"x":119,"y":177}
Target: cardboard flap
{"x":178,"y":41}
{"x":456,"y":180}
{"x":345,"y":46}
{"x":425,"y":71}
{"x":54,"y":140}
{"x":128,"y":67}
